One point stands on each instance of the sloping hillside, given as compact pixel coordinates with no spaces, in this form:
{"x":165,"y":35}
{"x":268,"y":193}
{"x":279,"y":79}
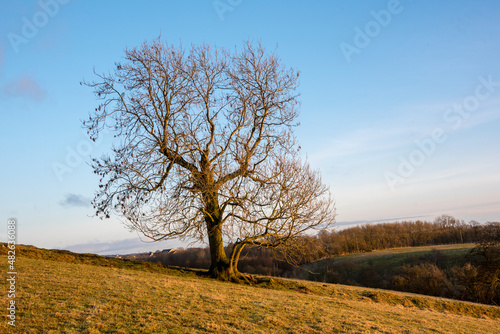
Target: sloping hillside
{"x":390,"y":259}
{"x":72,"y":293}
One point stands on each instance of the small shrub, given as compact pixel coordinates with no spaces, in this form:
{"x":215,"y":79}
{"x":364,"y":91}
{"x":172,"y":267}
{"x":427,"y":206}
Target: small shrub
{"x":425,"y":278}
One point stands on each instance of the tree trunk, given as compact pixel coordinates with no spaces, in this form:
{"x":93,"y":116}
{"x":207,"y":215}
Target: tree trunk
{"x":220,"y":266}
{"x":235,"y":256}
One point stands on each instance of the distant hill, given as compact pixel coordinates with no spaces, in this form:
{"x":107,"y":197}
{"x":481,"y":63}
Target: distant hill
{"x":394,"y":257}
{"x":59,"y":291}
{"x":459,"y":271}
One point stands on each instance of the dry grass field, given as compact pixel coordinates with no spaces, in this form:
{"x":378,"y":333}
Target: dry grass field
{"x":60,"y":292}
{"x":407,"y":251}
{"x":388,"y":260}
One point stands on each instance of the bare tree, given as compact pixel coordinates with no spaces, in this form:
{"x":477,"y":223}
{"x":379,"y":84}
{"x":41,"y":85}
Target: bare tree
{"x":206,"y":149}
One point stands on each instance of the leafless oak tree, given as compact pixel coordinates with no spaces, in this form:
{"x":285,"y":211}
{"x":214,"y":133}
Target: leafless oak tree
{"x":206,"y":149}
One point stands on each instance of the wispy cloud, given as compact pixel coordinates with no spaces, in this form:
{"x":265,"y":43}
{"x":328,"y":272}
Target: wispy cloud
{"x":430,"y":116}
{"x":25,"y":87}
{"x":371,"y":139}
{"x":489,"y":113}
{"x":75,"y":200}
{"x":413,"y":122}
{"x":474,"y":172}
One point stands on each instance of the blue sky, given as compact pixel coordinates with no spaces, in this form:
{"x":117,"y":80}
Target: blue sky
{"x":400,"y":103}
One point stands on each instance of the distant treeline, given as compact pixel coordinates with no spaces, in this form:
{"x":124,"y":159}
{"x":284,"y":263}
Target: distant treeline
{"x":365,"y":238}
{"x":444,"y":230}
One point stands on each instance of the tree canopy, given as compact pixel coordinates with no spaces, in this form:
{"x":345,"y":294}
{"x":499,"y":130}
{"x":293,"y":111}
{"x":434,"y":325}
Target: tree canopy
{"x":205,"y":149}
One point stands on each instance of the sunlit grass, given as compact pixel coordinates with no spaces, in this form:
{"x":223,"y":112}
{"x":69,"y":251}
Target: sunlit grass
{"x":453,"y":248}
{"x":127,"y":297}
{"x":389,"y":259}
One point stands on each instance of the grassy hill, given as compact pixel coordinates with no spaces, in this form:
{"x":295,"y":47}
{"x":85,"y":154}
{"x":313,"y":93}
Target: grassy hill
{"x":452,"y":248}
{"x":401,"y":253}
{"x":395,"y":257}
{"x":62,"y":292}
{"x":427,"y":270}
